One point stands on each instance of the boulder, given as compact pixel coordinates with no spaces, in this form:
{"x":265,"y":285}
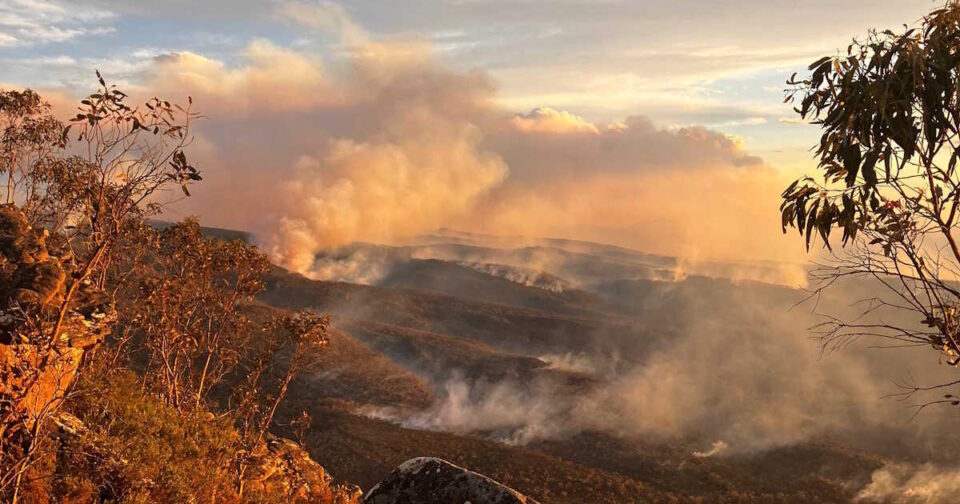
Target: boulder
{"x":428,"y":480}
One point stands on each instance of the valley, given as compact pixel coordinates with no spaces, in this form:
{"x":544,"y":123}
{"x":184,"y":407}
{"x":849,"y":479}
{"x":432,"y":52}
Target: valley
{"x":579,"y":394}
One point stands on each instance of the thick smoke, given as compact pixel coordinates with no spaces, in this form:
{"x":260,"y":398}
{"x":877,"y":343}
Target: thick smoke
{"x":739,"y":373}
{"x":376,"y":140}
{"x":382,"y":143}
{"x":311,"y":159}
{"x":509,"y":413}
{"x":912,"y":484}
{"x":378,"y":188}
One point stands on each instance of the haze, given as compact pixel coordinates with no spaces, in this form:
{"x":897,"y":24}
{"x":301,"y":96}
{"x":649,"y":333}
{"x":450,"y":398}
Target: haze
{"x":653,"y":125}
{"x":540,"y":227}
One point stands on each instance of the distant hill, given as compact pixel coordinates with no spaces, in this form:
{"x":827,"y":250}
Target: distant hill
{"x":213,"y":232}
{"x":432,"y":336}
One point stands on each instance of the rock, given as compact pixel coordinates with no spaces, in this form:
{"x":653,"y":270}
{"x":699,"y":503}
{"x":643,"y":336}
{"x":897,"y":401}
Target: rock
{"x":428,"y":480}
{"x":288,"y":468}
{"x":28,"y":275}
{"x":37,"y":368}
{"x":284,"y":469}
{"x":33,"y":383}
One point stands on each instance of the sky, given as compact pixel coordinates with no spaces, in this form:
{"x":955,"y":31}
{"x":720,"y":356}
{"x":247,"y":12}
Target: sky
{"x":717,"y":63}
{"x":636,"y":117}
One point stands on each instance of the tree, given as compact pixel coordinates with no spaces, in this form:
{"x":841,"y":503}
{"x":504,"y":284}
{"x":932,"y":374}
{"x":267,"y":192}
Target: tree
{"x":30,"y":136}
{"x":83,"y":264}
{"x":294,"y":341}
{"x":83,"y":185}
{"x":889,"y":112}
{"x":188,"y":310}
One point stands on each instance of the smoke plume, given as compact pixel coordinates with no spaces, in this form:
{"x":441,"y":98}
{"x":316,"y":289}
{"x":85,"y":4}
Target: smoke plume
{"x":738,"y":367}
{"x":912,"y":484}
{"x":377,"y":140}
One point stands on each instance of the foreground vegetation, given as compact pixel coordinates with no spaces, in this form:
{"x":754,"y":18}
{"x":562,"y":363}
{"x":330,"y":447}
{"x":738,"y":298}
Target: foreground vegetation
{"x":130,"y":372}
{"x":889,"y":112}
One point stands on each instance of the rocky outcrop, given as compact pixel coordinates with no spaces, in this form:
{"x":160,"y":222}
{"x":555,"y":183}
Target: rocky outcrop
{"x":36,"y":366}
{"x":28,"y":274}
{"x":285,"y":469}
{"x":428,"y":480}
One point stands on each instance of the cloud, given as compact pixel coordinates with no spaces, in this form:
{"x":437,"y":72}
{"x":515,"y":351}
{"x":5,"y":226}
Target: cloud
{"x":547,"y":120}
{"x":749,"y":121}
{"x":25,"y":22}
{"x":598,"y":60}
{"x":691,"y":192}
{"x":384,"y":141}
{"x":311,"y":158}
{"x":324,"y":16}
{"x":273,"y":79}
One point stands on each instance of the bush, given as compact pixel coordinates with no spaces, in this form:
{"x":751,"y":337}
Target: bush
{"x":145,"y":451}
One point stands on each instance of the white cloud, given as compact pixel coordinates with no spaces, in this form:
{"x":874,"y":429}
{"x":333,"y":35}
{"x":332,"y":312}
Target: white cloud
{"x":75,"y":75}
{"x":325,"y":16}
{"x":25,"y":22}
{"x":733,"y":123}
{"x":548,"y":120}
